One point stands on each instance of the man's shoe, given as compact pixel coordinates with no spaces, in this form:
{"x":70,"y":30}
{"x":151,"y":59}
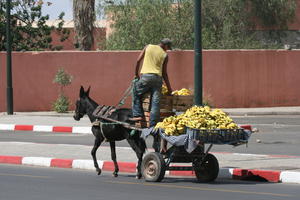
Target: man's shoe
{"x":135,"y":119}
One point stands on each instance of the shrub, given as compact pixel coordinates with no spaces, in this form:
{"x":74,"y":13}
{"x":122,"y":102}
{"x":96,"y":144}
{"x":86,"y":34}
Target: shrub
{"x":62,"y":103}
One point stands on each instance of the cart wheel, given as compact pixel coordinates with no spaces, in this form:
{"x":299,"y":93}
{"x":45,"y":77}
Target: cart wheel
{"x":209,"y":169}
{"x":153,"y":167}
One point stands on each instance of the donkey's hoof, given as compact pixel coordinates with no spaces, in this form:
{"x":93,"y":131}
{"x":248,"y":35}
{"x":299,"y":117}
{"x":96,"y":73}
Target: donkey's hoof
{"x":115,"y":174}
{"x":98,"y":170}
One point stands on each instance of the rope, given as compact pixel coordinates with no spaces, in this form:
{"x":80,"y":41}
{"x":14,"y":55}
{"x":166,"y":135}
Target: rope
{"x":112,"y":123}
{"x":102,"y":131}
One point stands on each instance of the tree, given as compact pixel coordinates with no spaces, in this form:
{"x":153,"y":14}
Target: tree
{"x":139,"y":22}
{"x":84,"y":17}
{"x":28,"y":27}
{"x":226,"y":24}
{"x":231,"y":24}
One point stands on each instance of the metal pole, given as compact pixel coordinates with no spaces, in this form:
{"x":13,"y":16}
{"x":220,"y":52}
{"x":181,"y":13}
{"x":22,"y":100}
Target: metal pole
{"x":198,"y":55}
{"x":9,"y":90}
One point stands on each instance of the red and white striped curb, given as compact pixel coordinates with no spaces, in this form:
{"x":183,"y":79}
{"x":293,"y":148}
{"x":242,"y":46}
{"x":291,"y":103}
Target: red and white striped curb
{"x":257,"y":155}
{"x":44,"y":128}
{"x":130,"y":167}
{"x":64,"y":129}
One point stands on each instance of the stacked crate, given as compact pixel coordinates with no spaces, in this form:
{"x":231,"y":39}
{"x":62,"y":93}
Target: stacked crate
{"x":166,"y":106}
{"x":182,"y":103}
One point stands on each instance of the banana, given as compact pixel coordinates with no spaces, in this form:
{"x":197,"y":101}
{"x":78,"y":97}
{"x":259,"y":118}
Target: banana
{"x":197,"y":117}
{"x":164,"y":90}
{"x":182,"y":92}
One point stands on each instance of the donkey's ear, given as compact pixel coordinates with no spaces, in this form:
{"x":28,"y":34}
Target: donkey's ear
{"x":81,"y":93}
{"x":88,"y":91}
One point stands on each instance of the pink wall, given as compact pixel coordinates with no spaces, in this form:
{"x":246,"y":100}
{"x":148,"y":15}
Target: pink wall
{"x":252,"y":78}
{"x":235,"y":78}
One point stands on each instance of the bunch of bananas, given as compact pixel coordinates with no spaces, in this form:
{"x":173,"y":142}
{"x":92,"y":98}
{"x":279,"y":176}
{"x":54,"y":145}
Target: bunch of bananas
{"x":164,"y":90}
{"x":182,"y":92}
{"x":197,"y":117}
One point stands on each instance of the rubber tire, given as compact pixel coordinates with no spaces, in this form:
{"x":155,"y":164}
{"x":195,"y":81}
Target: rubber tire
{"x":153,"y":167}
{"x":209,"y":169}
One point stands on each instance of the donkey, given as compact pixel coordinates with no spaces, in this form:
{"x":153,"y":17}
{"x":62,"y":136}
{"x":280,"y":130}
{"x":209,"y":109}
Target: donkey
{"x":85,"y":105}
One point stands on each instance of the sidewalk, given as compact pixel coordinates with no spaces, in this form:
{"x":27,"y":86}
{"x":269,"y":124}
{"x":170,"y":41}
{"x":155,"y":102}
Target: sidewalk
{"x":272,"y":168}
{"x":45,"y":121}
{"x":263,"y":111}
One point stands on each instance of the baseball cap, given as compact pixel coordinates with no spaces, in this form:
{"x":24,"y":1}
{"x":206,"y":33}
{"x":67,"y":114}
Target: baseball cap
{"x":167,"y":42}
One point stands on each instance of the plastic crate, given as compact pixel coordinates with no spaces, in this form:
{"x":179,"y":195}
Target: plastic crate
{"x":218,"y":136}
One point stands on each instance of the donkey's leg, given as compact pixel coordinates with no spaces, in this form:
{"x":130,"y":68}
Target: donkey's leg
{"x":156,"y":143}
{"x":139,"y":166}
{"x":139,"y":153}
{"x":114,"y":157}
{"x":98,"y":141}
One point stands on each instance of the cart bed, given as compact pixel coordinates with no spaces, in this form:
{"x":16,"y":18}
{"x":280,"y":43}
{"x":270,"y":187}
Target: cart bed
{"x":193,"y":137}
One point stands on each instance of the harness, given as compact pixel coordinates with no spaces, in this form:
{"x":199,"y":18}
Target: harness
{"x":106,"y":112}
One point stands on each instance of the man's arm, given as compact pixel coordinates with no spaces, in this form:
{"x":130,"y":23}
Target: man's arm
{"x":138,"y":62}
{"x":165,"y":75}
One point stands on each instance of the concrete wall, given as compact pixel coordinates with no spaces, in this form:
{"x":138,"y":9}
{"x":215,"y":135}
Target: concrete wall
{"x":235,"y":78}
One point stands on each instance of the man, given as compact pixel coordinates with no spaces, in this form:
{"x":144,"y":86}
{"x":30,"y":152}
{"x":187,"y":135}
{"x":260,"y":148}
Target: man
{"x":153,"y":72}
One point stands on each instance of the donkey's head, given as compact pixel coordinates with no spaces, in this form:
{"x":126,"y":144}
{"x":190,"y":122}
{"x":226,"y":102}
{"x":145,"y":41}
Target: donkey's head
{"x":81,"y":104}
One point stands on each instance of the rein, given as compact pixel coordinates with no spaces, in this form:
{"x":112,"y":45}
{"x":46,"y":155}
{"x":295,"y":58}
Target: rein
{"x":126,"y":93}
{"x":124,"y":124}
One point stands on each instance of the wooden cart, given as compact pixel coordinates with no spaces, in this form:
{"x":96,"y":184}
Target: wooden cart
{"x":204,"y":164}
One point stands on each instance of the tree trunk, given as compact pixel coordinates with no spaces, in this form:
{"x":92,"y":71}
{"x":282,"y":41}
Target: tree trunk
{"x":84,"y":17}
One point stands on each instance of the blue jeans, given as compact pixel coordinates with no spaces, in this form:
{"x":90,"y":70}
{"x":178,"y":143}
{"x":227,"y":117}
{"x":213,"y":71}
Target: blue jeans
{"x":147,"y":83}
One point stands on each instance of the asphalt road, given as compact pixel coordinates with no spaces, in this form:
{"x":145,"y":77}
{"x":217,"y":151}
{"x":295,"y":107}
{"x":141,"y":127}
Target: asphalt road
{"x":33,"y":183}
{"x":278,"y":135}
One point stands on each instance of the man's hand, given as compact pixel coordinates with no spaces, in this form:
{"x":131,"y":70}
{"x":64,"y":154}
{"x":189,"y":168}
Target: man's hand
{"x":169,"y":92}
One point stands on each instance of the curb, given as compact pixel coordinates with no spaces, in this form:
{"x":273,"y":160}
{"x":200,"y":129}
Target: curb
{"x":58,"y":129}
{"x":290,"y":110}
{"x":259,"y":113}
{"x":42,"y":128}
{"x":130,"y":167}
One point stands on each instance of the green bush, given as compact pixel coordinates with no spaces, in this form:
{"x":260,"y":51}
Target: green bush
{"x":61,"y":105}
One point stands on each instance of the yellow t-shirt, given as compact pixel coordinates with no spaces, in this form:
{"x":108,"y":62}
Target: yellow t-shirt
{"x":153,"y":60}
